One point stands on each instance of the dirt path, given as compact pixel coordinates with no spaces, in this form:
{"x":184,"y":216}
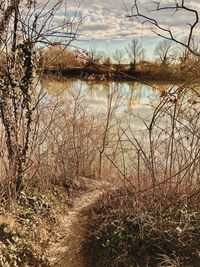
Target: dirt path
{"x":66,"y":252}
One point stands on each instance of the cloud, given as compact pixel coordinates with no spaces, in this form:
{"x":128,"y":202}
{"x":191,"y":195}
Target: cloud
{"x":101,"y":22}
{"x":106,"y":19}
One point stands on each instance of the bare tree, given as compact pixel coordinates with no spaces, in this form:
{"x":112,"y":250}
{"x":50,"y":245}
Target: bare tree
{"x":177,"y":96}
{"x":65,"y":58}
{"x":135,"y":51}
{"x":118,"y":57}
{"x":24,"y":24}
{"x":92,"y":58}
{"x":107,"y":62}
{"x":187,"y":59}
{"x":167,"y":31}
{"x":162,"y":51}
{"x":103,"y":58}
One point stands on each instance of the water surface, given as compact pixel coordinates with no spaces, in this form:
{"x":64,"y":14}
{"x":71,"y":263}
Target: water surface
{"x":136,"y":98}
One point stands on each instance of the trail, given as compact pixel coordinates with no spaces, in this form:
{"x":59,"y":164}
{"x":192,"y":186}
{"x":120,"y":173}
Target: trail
{"x":66,"y":252}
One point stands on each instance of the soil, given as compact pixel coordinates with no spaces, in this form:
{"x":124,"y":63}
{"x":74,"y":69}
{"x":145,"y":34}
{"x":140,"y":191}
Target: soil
{"x":65,"y":249}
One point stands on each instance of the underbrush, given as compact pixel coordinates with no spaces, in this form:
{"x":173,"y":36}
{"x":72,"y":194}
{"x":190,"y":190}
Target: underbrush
{"x":67,"y":144}
{"x":147,"y":232}
{"x":28,"y":227}
{"x":156,"y":222}
{"x":24,"y":231}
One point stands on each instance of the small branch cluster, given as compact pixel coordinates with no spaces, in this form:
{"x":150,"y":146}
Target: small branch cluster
{"x":165,"y":31}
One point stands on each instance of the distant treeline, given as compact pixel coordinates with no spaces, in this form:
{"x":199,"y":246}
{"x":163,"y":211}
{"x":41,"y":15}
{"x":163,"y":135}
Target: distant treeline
{"x":97,"y":65}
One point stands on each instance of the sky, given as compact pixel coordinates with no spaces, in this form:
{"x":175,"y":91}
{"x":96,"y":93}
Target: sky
{"x":105,"y":25}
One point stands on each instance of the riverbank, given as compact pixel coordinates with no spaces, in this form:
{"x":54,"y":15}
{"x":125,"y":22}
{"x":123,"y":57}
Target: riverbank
{"x":101,"y":74}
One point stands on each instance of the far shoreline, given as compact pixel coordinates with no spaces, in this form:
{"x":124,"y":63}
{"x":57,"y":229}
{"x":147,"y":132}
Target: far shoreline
{"x":88,"y":74}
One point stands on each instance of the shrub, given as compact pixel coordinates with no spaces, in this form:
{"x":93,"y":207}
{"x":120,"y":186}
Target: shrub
{"x":146,"y":233}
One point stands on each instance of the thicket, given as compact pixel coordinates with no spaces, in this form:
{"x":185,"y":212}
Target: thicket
{"x":153,"y":219}
{"x":49,"y":141}
{"x":148,"y":232}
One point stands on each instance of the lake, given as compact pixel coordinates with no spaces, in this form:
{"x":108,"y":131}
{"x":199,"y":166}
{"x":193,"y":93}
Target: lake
{"x":136,"y":98}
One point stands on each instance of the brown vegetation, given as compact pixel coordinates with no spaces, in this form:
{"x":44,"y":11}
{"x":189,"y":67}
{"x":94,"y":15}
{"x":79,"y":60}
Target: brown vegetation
{"x":48,"y":143}
{"x":58,"y":57}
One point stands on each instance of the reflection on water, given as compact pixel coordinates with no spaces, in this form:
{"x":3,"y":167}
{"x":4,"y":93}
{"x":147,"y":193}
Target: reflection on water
{"x":134,"y":94}
{"x":136,"y":99}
